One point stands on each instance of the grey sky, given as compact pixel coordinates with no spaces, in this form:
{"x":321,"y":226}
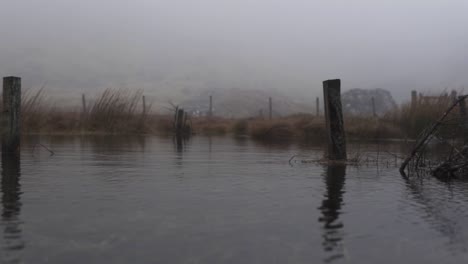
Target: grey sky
{"x":288,"y":45}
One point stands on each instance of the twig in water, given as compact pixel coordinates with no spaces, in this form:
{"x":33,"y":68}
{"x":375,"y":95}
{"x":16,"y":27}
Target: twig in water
{"x":50,"y":151}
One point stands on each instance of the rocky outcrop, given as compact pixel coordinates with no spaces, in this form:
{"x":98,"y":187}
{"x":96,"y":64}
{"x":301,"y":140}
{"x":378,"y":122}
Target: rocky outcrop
{"x":359,"y":102}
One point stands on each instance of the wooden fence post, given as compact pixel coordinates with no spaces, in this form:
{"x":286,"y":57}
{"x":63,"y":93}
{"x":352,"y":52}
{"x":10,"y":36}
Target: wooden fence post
{"x":11,"y":114}
{"x":83,"y":102}
{"x":374,"y":113}
{"x":334,"y":120}
{"x":270,"y":107}
{"x":317,"y":106}
{"x":210,"y":111}
{"x":180,"y":121}
{"x":84,"y":113}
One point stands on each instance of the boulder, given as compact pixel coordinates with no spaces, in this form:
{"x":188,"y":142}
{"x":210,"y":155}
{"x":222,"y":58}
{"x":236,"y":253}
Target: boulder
{"x":359,"y":102}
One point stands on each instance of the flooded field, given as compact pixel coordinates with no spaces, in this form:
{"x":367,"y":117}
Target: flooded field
{"x":220,"y":200}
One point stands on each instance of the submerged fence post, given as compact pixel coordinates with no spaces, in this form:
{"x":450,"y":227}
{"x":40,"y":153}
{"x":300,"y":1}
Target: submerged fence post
{"x":180,"y":121}
{"x":374,"y":113}
{"x":210,"y":111}
{"x":270,"y":107}
{"x":317,"y":106}
{"x":334,"y":120}
{"x":11,"y":114}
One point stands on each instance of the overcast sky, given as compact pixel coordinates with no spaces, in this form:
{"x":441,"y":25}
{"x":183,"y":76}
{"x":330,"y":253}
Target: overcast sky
{"x":287,"y":45}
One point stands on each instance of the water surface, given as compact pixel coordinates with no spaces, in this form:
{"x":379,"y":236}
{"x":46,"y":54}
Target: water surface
{"x":219,"y":200}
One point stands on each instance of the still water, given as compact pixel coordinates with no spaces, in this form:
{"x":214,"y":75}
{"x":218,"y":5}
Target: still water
{"x":219,"y":200}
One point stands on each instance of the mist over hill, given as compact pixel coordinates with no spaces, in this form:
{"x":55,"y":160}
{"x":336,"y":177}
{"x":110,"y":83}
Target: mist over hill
{"x":241,"y":103}
{"x":168,"y":47}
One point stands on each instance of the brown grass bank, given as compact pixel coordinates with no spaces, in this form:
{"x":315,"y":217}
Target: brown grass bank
{"x":113,"y":111}
{"x":121,"y":112}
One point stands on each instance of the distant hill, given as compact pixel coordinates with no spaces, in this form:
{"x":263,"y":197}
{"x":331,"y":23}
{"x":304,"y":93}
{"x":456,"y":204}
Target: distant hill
{"x":238,"y":103}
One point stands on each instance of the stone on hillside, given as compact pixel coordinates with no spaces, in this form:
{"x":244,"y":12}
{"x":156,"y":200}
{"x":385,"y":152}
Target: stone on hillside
{"x":359,"y":102}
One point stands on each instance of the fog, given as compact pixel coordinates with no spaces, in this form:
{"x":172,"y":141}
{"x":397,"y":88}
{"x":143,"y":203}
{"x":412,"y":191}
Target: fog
{"x":290,"y":46}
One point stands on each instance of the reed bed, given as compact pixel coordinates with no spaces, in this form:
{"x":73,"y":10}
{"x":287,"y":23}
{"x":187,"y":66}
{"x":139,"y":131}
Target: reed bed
{"x":121,"y":112}
{"x":113,"y":111}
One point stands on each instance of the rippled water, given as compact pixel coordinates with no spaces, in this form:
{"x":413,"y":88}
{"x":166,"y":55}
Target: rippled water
{"x":219,"y":200}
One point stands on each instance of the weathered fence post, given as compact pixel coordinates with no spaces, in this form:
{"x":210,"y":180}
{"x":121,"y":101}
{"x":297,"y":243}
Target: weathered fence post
{"x":11,"y":114}
{"x":84,"y":113}
{"x":464,"y":119}
{"x":374,"y":113}
{"x":414,"y":100}
{"x":83,"y":102}
{"x":317,"y":106}
{"x":210,"y":111}
{"x":270,"y":107}
{"x":180,"y":121}
{"x":334,"y":120}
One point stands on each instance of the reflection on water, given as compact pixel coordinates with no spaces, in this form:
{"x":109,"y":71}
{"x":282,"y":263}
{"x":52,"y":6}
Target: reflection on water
{"x":180,"y":145}
{"x":331,"y":209}
{"x":114,"y":144}
{"x":440,"y":208}
{"x":109,"y":199}
{"x":11,"y":194}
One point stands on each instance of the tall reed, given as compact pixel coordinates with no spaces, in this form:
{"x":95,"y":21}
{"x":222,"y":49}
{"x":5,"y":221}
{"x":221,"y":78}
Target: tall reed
{"x":115,"y":111}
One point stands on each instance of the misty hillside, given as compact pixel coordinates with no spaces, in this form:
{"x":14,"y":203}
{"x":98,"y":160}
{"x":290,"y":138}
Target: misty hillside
{"x":163,"y":47}
{"x":236,"y":102}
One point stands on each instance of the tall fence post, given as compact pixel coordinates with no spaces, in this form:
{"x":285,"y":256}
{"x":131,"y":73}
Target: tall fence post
{"x":334,"y":120}
{"x":84,"y":113}
{"x":270,"y":107}
{"x":83,"y":103}
{"x":210,"y":111}
{"x":317,"y":106}
{"x":374,"y":113}
{"x":11,"y":114}
{"x":180,"y":121}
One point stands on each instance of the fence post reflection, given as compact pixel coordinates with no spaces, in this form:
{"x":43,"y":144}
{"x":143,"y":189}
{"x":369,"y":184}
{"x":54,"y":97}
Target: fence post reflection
{"x":330,"y":211}
{"x":11,"y":208}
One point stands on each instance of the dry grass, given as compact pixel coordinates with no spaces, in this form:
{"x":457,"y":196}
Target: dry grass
{"x":371,"y":128}
{"x":114,"y":111}
{"x":412,"y":121}
{"x":299,"y":126}
{"x":121,"y":112}
{"x":212,"y":126}
{"x":240,"y":127}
